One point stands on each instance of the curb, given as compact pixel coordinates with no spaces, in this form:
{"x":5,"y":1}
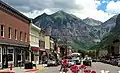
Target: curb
{"x":7,"y":72}
{"x":33,"y":70}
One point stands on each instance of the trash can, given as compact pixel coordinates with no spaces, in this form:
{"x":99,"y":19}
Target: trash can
{"x":28,"y":65}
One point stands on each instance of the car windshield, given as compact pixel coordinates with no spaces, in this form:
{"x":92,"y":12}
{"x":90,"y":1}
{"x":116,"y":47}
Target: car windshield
{"x":70,"y":60}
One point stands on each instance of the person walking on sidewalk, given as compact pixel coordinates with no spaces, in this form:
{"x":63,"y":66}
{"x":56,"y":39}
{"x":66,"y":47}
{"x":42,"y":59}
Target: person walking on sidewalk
{"x":44,"y":58}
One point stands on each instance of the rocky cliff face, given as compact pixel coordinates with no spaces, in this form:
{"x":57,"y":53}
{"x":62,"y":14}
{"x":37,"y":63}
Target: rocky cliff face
{"x":92,"y":22}
{"x":68,"y":27}
{"x":108,"y":25}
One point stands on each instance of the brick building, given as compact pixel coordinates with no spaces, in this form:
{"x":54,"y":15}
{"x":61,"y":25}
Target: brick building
{"x":14,"y":36}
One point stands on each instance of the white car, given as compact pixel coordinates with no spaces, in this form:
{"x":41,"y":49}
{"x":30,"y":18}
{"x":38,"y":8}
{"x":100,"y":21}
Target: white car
{"x":51,"y":63}
{"x":71,"y":62}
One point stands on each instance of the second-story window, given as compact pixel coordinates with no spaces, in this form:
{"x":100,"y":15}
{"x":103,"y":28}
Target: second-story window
{"x":9,"y":32}
{"x":20,"y":35}
{"x":25,"y":37}
{"x":2,"y":30}
{"x":15,"y":34}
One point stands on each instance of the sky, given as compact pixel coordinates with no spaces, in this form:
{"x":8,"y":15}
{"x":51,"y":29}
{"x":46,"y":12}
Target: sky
{"x":100,"y":10}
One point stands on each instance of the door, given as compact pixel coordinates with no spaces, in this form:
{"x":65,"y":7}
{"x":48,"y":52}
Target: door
{"x":4,"y":57}
{"x":5,"y":61}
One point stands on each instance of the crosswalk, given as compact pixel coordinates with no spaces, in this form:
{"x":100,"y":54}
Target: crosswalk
{"x":82,"y":71}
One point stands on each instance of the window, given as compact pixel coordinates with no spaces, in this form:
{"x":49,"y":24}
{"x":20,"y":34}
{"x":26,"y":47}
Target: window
{"x":25,"y":37}
{"x":15,"y":34}
{"x":2,"y":30}
{"x":20,"y":35}
{"x":10,"y":50}
{"x":9,"y":30}
{"x":0,"y":54}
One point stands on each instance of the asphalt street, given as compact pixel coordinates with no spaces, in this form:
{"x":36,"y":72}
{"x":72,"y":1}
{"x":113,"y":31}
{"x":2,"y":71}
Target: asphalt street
{"x":95,"y":66}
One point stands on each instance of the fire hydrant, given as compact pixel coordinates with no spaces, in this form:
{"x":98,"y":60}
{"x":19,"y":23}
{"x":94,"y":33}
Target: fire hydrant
{"x":74,"y":69}
{"x":10,"y":66}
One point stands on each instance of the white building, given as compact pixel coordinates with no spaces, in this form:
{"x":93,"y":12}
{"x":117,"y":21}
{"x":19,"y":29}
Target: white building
{"x":34,"y":43}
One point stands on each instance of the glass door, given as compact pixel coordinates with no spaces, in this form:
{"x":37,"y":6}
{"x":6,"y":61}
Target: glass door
{"x":0,"y":57}
{"x":10,"y":53}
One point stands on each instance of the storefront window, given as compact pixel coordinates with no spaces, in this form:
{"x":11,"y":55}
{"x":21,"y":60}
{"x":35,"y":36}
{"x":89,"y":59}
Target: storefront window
{"x":19,"y":57}
{"x":32,"y":57}
{"x":26,"y":55}
{"x":0,"y":54}
{"x":10,"y":50}
{"x":10,"y":54}
{"x":10,"y":57}
{"x":19,"y":53}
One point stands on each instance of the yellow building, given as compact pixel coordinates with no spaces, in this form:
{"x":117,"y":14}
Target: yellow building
{"x":49,"y":44}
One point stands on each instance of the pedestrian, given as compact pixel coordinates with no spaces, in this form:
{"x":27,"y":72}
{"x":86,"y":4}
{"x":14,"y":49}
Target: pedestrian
{"x":64,"y":65}
{"x":44,"y":58}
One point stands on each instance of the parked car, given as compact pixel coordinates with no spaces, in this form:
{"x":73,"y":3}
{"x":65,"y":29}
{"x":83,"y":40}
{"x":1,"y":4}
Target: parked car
{"x":102,"y":60}
{"x":71,"y":62}
{"x":87,"y":61}
{"x":113,"y":62}
{"x":77,"y":60}
{"x":108,"y":61}
{"x":52,"y":62}
{"x":117,"y":62}
{"x":95,"y":60}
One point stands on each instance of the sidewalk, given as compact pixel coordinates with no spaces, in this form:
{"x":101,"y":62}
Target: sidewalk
{"x":22,"y":70}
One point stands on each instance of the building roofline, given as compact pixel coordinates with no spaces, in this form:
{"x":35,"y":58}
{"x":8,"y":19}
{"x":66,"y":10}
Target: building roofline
{"x":36,"y":27}
{"x":14,"y":10}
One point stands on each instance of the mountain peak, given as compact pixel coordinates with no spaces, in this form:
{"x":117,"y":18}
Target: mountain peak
{"x":44,"y":14}
{"x":91,"y":21}
{"x":88,"y":18}
{"x":60,"y":12}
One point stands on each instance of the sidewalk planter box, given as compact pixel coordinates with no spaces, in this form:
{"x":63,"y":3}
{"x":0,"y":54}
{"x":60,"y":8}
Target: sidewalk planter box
{"x":28,"y":65}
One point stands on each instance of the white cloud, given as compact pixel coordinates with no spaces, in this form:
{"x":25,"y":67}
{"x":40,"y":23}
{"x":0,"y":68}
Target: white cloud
{"x":88,"y":8}
{"x":36,"y":13}
{"x":113,"y":7}
{"x":95,"y":14}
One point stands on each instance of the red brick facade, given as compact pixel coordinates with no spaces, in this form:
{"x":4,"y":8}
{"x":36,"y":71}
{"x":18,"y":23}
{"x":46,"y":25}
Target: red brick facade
{"x":13,"y":50}
{"x":9,"y":19}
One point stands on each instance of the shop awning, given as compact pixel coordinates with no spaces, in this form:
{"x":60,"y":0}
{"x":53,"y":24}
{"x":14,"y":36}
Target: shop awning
{"x":35,"y":48}
{"x":42,"y":50}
